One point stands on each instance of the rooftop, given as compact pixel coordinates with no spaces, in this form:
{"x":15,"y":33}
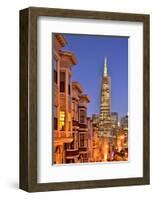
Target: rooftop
{"x":70,"y":55}
{"x":61,"y":39}
{"x":77,"y":86}
{"x":86,"y":97}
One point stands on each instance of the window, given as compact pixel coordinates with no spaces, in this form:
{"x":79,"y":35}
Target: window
{"x":62,"y":81}
{"x":55,"y":70}
{"x":55,"y":123}
{"x":82,"y":116}
{"x":55,"y":118}
{"x":62,"y":121}
{"x":81,"y":140}
{"x":67,"y":146}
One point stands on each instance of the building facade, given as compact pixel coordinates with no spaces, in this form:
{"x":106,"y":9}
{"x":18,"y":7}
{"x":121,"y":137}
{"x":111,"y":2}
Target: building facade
{"x":72,"y":152}
{"x":90,"y":137}
{"x":62,"y":112}
{"x":83,"y":128}
{"x":70,"y":109}
{"x":105,"y":104}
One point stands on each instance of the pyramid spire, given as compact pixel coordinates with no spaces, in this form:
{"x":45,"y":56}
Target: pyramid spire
{"x":105,"y":66}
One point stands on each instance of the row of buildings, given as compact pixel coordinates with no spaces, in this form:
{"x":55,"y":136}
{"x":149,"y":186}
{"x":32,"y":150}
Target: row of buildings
{"x":77,"y":137}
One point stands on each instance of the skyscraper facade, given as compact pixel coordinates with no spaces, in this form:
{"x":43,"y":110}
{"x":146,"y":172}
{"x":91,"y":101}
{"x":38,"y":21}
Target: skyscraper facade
{"x":105,"y":104}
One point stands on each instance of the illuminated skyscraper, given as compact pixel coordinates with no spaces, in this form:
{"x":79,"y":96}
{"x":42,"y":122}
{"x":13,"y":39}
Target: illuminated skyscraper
{"x":105,"y":104}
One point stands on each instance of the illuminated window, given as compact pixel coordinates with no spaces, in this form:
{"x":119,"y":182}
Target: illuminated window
{"x":62,"y":120}
{"x":62,"y":81}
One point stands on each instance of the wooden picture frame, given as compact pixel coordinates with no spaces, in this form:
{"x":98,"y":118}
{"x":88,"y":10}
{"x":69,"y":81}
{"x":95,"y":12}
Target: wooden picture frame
{"x":28,"y":99}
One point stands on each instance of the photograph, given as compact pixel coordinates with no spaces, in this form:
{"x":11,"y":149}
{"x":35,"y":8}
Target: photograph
{"x":84,"y":99}
{"x":90,"y":98}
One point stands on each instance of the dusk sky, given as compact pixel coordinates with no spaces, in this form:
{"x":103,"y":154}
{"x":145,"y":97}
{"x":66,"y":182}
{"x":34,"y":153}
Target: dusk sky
{"x":90,"y":52}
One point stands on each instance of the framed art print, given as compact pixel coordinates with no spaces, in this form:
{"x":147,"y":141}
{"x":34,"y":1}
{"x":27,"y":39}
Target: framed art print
{"x":84,"y":99}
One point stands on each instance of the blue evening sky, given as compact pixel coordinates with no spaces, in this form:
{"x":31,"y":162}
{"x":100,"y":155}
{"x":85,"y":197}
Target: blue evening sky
{"x":90,"y":52}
